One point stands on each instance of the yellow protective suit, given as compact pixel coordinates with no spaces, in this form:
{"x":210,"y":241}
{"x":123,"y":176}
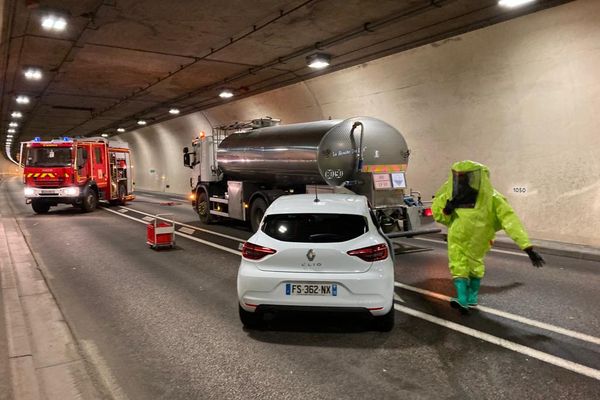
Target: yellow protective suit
{"x":471,"y":230}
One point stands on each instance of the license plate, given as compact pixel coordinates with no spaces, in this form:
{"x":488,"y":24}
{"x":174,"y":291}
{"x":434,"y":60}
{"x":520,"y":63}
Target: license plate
{"x":311,"y":289}
{"x":48,"y":192}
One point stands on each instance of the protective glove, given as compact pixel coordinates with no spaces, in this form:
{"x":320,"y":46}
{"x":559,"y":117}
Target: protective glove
{"x":535,"y":257}
{"x":449,"y":207}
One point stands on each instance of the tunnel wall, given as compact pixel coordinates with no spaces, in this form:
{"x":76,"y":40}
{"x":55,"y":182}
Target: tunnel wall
{"x":521,"y":97}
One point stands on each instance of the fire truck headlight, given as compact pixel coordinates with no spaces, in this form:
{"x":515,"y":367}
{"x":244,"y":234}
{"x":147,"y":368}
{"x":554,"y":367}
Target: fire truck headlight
{"x":72,"y":191}
{"x":28,"y":191}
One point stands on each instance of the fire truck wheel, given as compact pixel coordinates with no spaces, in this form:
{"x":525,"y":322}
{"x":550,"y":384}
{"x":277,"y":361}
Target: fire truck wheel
{"x":203,"y":208}
{"x":257,"y":211}
{"x":40,"y":206}
{"x":90,"y":201}
{"x":122,"y":194}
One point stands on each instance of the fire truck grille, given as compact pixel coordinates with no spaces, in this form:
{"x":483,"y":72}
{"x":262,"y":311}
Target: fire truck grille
{"x":49,"y":183}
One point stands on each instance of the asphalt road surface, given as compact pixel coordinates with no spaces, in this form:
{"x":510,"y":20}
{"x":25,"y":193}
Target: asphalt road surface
{"x":164,"y":324}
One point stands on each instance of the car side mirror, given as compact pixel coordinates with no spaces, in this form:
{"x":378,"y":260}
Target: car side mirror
{"x":187,"y":160}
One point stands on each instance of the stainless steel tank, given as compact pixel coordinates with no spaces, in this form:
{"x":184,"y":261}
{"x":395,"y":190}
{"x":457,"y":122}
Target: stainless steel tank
{"x":310,"y":153}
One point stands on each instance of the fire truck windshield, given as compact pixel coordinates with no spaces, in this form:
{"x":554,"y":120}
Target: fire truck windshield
{"x":48,"y":157}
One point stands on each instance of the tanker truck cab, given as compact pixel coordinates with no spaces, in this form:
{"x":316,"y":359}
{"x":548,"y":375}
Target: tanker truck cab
{"x":241,"y":168}
{"x":80,"y":172}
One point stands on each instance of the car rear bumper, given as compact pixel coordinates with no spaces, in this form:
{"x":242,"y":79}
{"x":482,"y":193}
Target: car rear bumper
{"x":372,"y":290}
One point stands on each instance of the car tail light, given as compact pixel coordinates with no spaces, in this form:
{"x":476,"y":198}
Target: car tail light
{"x":372,"y":253}
{"x":427,"y":212}
{"x":252,"y":251}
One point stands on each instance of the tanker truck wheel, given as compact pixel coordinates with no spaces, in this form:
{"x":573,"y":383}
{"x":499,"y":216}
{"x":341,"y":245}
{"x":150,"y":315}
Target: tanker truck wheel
{"x":203,"y":208}
{"x":40,"y":206}
{"x":257,"y":211}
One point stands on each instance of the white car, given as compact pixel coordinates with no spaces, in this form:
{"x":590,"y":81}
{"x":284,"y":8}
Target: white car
{"x":321,"y":255}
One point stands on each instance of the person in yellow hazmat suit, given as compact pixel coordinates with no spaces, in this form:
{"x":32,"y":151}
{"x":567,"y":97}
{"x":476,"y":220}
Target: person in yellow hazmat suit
{"x":474,"y":211}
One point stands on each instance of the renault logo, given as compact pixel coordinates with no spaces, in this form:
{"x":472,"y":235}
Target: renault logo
{"x":311,"y":255}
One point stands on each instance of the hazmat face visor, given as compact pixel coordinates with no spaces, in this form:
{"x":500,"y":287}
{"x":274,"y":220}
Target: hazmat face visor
{"x":465,"y":188}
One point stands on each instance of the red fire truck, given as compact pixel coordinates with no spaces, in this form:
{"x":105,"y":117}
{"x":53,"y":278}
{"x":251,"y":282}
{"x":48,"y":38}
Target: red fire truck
{"x":76,"y":171}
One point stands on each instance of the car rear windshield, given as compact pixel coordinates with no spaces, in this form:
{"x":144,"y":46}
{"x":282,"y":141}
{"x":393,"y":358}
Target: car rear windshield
{"x":316,"y":228}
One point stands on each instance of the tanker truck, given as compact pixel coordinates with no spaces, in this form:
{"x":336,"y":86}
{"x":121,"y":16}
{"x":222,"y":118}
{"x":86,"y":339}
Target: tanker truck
{"x":241,"y":168}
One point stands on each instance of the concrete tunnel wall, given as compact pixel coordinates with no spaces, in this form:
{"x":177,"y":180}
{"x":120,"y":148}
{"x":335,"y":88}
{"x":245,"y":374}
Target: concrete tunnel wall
{"x":521,"y":97}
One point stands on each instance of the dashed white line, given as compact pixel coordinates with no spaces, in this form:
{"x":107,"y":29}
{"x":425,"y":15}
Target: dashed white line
{"x":194,"y":227}
{"x":545,"y":357}
{"x":206,"y":242}
{"x":188,"y":231}
{"x":148,"y":219}
{"x":507,"y":344}
{"x":513,"y":253}
{"x":123,"y":210}
{"x":507,"y":315}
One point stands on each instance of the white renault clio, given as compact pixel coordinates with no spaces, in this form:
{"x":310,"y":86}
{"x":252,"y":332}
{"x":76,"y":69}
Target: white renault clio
{"x":317,"y":254}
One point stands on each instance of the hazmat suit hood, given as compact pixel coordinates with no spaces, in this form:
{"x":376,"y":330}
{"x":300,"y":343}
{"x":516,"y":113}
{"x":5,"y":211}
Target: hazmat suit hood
{"x":479,"y":212}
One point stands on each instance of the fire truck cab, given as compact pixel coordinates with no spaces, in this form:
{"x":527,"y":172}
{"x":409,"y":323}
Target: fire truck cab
{"x":79,"y":171}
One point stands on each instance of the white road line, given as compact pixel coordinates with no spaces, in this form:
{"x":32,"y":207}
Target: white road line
{"x":185,"y":230}
{"x":182,"y":234}
{"x":507,"y":315}
{"x":513,"y":253}
{"x":548,"y":358}
{"x":148,"y":219}
{"x":194,"y":227}
{"x":179,"y":200}
{"x":507,"y":344}
{"x":123,"y":210}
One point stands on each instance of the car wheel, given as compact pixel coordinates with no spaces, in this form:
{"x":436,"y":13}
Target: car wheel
{"x":257,"y":211}
{"x":203,"y":208}
{"x":90,"y":201}
{"x":250,"y":320}
{"x":40,"y":206}
{"x":385,"y":323}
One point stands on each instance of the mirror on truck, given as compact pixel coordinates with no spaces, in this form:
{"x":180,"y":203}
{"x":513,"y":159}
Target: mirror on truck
{"x":186,"y":160}
{"x":81,"y":157}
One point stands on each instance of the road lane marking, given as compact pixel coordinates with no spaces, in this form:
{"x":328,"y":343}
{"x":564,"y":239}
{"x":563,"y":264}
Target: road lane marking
{"x":507,"y":344}
{"x":507,"y":315}
{"x":514,"y":253}
{"x":123,"y":210}
{"x":148,"y":219}
{"x":193,"y":227}
{"x":187,"y":231}
{"x":548,"y":358}
{"x":206,"y":242}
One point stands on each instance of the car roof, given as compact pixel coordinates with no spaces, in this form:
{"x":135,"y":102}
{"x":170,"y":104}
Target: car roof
{"x":329,"y":203}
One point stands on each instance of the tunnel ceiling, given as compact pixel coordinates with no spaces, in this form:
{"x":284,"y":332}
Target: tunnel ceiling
{"x":121,"y":60}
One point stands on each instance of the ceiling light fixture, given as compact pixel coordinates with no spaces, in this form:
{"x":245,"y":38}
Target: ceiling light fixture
{"x":513,"y":3}
{"x":33,"y":74}
{"x":16,"y":114}
{"x":226,"y":93}
{"x":141,"y":122}
{"x":104,"y":135}
{"x":22,"y":99}
{"x":11,"y":130}
{"x":318,"y":60}
{"x":174,"y":111}
{"x":13,"y":124}
{"x":121,"y":130}
{"x":9,"y":136}
{"x":53,"y":22}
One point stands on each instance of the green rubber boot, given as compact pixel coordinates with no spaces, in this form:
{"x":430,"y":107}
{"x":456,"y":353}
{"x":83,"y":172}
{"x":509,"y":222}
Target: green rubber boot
{"x":474,"y":284}
{"x":462,"y":294}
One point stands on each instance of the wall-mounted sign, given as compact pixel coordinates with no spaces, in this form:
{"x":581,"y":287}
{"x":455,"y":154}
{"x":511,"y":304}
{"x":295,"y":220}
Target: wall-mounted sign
{"x":398,"y":180}
{"x":382,"y":181}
